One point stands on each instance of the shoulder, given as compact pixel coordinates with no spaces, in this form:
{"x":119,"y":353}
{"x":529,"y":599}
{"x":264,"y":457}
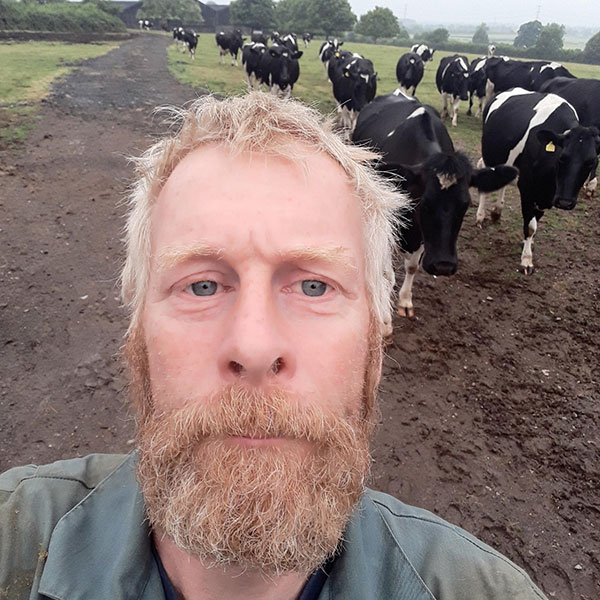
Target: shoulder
{"x":32,"y":501}
{"x":451,"y":562}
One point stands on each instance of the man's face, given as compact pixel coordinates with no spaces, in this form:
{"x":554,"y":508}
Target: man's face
{"x":257,"y":278}
{"x":252,"y":365}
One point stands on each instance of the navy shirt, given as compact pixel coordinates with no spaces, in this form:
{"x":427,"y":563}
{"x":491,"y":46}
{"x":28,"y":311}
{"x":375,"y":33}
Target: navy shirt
{"x":310,"y":591}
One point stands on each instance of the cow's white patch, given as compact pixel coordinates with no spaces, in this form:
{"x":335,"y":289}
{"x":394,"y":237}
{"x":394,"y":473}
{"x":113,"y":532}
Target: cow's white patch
{"x":391,"y":133}
{"x":480,"y":65}
{"x":446,"y":180}
{"x":501,"y":98}
{"x":416,"y":112}
{"x":412,"y":61}
{"x":365,"y":76}
{"x":527,"y":254}
{"x":541,"y":113}
{"x":461,"y":62}
{"x":401,"y":92}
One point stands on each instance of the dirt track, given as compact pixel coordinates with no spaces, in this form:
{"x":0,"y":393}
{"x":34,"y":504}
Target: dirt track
{"x":491,"y":397}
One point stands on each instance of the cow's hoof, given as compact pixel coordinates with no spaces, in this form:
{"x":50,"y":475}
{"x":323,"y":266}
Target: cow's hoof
{"x":405,"y":311}
{"x":482,"y":223}
{"x":527,"y":269}
{"x":495,"y":216}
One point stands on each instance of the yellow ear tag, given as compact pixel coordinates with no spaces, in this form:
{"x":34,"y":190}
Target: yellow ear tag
{"x":550,"y":147}
{"x":347,"y":74}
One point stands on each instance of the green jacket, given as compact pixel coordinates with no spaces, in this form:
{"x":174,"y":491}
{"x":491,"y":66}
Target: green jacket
{"x":76,"y":530}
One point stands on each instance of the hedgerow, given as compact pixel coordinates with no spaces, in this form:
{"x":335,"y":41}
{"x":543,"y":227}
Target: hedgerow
{"x":59,"y":17}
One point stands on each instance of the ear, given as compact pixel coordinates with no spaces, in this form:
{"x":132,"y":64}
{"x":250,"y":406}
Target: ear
{"x":493,"y":178}
{"x":341,"y":44}
{"x":297,"y":54}
{"x":411,"y":174}
{"x":550,"y":139}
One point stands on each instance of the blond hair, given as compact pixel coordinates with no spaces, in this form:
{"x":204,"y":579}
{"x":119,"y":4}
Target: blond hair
{"x":259,"y":122}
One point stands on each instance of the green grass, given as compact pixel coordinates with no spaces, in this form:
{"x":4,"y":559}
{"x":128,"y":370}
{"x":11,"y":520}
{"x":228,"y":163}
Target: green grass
{"x":313,"y":87}
{"x":28,"y":70}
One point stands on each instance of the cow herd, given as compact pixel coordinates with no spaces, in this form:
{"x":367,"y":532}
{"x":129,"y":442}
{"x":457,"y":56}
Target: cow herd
{"x":540,"y":131}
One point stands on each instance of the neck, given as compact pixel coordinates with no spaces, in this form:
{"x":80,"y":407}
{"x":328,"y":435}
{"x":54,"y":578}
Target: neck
{"x":194,"y":581}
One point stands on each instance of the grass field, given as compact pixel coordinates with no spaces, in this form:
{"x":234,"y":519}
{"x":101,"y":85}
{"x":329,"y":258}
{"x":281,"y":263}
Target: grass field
{"x":313,"y":87}
{"x":28,"y":69}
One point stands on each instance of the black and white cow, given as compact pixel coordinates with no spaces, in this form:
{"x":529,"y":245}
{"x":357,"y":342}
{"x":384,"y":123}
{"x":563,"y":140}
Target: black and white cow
{"x":178,"y":35}
{"x":491,"y":50}
{"x":452,"y":81}
{"x":290,"y":40}
{"x":258,"y":37}
{"x":423,"y":51}
{"x":230,"y":41}
{"x":279,"y":69}
{"x":409,"y":71}
{"x":477,"y":84}
{"x":306,"y":38}
{"x":544,"y":71}
{"x":584,"y":96}
{"x":416,"y":145}
{"x":190,"y":39}
{"x":145,"y":24}
{"x":541,"y":135}
{"x":327,"y":50}
{"x":354,"y":84}
{"x":251,"y":59}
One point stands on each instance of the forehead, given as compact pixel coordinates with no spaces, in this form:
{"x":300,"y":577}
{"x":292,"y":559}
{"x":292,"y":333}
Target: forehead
{"x":219,"y":197}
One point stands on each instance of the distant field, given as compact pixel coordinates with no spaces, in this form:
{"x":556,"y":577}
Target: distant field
{"x":313,"y":87}
{"x":28,"y":69}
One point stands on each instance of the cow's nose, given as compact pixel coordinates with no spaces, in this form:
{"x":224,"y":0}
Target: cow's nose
{"x":565,"y":203}
{"x":441,"y":267}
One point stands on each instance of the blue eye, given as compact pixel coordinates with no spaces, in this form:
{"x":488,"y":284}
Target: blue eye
{"x":311,"y":287}
{"x":204,"y":288}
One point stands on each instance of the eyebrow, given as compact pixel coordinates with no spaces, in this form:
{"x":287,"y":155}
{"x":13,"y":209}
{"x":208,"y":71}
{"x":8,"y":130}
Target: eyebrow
{"x":334,"y":256}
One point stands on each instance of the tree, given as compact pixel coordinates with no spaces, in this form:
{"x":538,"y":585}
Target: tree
{"x":378,"y":23}
{"x":481,"y":35}
{"x":528,"y":34}
{"x":591,"y":51}
{"x":293,"y":15}
{"x":258,"y":14}
{"x":436,"y":37}
{"x":330,"y":16}
{"x":550,"y":41}
{"x":183,"y":10}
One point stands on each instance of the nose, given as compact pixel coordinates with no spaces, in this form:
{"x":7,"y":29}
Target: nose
{"x":565,"y":203}
{"x":442,"y":267}
{"x":255,"y":350}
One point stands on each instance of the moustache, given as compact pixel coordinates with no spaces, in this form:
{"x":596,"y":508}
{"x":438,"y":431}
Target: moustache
{"x":240,"y":412}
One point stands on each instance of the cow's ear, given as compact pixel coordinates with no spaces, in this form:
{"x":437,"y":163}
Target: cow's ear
{"x":340,"y":44}
{"x":493,"y":178}
{"x":410,"y":174}
{"x":297,"y":54}
{"x":550,"y":139}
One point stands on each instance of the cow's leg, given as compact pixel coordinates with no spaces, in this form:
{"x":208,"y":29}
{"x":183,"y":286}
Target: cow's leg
{"x":469,"y":110}
{"x":455,"y":106}
{"x":444,"y":114}
{"x":589,"y":187}
{"x":479,"y":107}
{"x":403,"y":89}
{"x":411,"y":265}
{"x":484,"y":199}
{"x":498,"y":206}
{"x":531,"y":217}
{"x":220,"y":57}
{"x":489,"y":91}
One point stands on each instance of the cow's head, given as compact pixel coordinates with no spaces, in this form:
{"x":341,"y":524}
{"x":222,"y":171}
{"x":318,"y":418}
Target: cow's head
{"x":364,"y":78}
{"x":458,"y":70}
{"x":440,"y":187}
{"x":574,"y":155}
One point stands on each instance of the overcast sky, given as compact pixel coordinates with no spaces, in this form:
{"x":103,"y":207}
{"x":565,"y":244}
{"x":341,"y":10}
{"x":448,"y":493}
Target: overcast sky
{"x":566,"y":12}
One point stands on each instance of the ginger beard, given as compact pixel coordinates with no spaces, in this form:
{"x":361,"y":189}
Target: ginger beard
{"x":278,"y":508}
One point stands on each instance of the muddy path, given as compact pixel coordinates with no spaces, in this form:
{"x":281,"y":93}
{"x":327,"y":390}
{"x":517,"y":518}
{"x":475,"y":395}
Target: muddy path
{"x":491,"y":395}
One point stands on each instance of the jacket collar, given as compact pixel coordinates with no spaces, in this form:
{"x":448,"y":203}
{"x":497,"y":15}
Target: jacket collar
{"x":372,"y":564}
{"x":100,"y":550}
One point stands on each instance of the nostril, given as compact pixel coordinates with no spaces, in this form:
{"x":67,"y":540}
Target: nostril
{"x":236,"y":367}
{"x":277,"y":366}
